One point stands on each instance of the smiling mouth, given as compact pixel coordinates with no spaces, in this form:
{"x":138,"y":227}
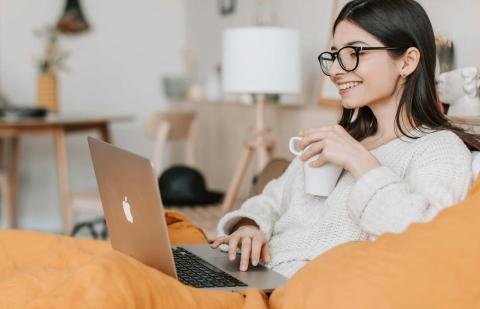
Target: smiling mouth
{"x":347,"y":86}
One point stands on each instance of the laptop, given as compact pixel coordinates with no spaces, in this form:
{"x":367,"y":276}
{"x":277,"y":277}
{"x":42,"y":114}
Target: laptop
{"x":136,"y":224}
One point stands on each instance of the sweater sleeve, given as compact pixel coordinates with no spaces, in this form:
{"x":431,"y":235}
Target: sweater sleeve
{"x":438,"y":176}
{"x":264,"y":208}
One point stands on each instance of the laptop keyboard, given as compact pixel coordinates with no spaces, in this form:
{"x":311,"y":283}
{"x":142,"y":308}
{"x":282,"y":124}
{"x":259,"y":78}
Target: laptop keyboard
{"x":196,"y":272}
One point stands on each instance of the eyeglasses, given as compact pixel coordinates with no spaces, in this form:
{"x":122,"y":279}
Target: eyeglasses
{"x":348,"y":57}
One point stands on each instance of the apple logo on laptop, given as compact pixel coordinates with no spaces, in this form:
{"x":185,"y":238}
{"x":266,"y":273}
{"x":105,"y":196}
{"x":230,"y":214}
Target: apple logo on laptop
{"x":126,"y":210}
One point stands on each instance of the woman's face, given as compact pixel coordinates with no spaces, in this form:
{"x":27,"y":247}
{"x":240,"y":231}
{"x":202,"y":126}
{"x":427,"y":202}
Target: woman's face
{"x":377,"y":76}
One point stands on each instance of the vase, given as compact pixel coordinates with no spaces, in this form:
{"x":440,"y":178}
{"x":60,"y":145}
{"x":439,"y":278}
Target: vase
{"x":47,"y":92}
{"x":446,"y":57}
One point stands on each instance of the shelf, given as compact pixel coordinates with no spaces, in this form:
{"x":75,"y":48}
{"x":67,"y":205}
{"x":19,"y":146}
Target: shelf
{"x":468,"y":120}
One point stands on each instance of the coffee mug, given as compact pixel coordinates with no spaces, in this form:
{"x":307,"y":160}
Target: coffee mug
{"x":321,"y":180}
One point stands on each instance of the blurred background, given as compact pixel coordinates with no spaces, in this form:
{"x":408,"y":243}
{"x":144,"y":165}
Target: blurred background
{"x":144,"y":56}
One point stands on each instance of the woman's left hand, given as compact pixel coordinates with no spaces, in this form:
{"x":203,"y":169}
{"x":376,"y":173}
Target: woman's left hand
{"x":337,"y":146}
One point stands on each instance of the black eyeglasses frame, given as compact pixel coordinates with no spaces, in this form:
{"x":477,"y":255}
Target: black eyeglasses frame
{"x":358,"y":50}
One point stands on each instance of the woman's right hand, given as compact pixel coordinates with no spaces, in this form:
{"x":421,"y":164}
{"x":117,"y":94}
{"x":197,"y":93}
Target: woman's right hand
{"x":252,"y":242}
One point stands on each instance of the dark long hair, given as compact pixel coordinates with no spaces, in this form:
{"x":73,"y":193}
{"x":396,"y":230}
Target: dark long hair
{"x":402,"y":23}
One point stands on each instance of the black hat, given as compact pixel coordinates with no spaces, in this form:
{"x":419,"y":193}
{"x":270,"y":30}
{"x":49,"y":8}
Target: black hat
{"x":183,"y":185}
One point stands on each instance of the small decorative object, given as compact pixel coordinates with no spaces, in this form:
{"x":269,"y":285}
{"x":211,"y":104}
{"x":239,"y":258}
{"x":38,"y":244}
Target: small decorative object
{"x":195,"y":91}
{"x":226,"y":7}
{"x":47,"y":92}
{"x":14,"y":113}
{"x":445,"y":53}
{"x":213,"y":87}
{"x":175,"y":87}
{"x":265,"y":13}
{"x":49,"y":63}
{"x":72,"y":20}
{"x":460,"y":89}
{"x":3,"y":102}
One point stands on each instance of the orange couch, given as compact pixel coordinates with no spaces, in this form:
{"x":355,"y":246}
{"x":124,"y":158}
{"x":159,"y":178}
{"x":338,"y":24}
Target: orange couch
{"x":431,"y":265}
{"x":40,"y":270}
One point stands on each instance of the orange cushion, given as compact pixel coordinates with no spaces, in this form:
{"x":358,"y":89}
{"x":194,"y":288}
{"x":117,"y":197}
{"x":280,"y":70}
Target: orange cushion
{"x":182,"y":231}
{"x":431,"y":265}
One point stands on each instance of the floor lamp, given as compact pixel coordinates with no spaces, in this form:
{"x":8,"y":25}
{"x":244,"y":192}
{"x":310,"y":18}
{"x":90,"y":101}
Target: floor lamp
{"x":258,"y":61}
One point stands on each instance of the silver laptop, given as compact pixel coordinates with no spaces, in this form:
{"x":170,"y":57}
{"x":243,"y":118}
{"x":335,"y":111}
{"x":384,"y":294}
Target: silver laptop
{"x":136,"y":225}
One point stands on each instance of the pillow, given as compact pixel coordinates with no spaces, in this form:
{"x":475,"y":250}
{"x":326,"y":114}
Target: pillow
{"x":431,"y":265}
{"x":475,"y":164}
{"x":182,"y":231}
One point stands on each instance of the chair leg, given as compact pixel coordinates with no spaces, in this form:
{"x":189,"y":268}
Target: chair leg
{"x":5,"y":200}
{"x":11,"y":197}
{"x":90,"y":226}
{"x":104,"y":232}
{"x":271,"y":150}
{"x":92,"y":230}
{"x":238,"y":177}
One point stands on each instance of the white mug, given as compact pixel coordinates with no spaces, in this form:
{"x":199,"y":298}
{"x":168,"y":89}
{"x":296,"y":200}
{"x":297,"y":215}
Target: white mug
{"x":318,"y":180}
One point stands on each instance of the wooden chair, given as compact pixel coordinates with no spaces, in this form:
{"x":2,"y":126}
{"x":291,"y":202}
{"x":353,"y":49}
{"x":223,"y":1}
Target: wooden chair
{"x":180,"y":126}
{"x":163,"y":127}
{"x":274,"y":169}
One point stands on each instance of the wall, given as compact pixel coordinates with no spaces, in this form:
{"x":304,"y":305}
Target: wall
{"x":115,"y":68}
{"x":458,"y":21}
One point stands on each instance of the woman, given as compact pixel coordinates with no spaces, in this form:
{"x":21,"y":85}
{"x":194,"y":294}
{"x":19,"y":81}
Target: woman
{"x":403,"y":161}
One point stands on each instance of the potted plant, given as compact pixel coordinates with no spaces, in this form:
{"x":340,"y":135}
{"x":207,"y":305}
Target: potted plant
{"x":445,"y":53}
{"x":51,"y":61}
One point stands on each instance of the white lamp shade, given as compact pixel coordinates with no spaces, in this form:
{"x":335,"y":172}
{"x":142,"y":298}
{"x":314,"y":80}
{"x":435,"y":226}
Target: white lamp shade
{"x":261,"y":60}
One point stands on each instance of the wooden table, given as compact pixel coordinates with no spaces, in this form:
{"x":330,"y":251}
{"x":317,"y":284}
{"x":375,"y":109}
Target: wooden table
{"x":11,"y":130}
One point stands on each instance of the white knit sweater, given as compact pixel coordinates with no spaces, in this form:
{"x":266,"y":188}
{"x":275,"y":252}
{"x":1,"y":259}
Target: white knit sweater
{"x":416,"y":180}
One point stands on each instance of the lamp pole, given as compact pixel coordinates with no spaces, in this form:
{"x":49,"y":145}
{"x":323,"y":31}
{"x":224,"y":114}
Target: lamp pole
{"x":261,"y":145}
{"x":261,"y":132}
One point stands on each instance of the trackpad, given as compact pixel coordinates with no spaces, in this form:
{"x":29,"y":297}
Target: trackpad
{"x":221,"y":260}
